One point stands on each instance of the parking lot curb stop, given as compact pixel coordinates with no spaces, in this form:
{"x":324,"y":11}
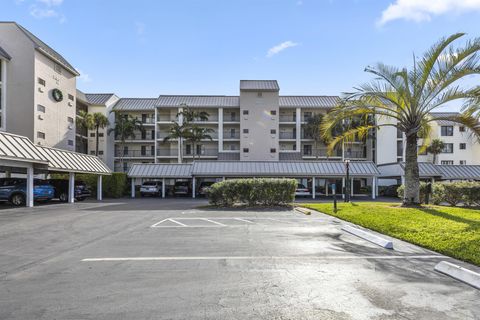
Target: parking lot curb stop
{"x":464,"y":275}
{"x":387,"y":244}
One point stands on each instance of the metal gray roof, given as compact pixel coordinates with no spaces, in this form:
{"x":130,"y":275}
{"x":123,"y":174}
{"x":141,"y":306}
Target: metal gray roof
{"x":47,"y":50}
{"x":69,"y":161}
{"x":259,"y":85}
{"x":290,"y":156}
{"x":459,"y":172}
{"x":198,"y":101}
{"x":160,"y":170}
{"x":442,"y":115}
{"x":397,"y":169}
{"x":282,"y":168}
{"x":135,"y":104}
{"x":19,"y":148}
{"x":309,"y":101}
{"x":98,"y":98}
{"x":4,"y":54}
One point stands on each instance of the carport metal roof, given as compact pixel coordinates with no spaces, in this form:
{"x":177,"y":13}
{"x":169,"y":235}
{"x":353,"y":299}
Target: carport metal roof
{"x":18,"y":148}
{"x":430,"y":170}
{"x":253,"y":169}
{"x":456,"y":172}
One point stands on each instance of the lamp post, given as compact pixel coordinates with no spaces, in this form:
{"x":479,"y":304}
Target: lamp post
{"x":347,"y":182}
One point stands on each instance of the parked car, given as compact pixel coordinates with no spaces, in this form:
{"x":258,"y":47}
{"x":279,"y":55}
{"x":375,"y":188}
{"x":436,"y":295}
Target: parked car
{"x":181,"y":188}
{"x":204,"y":185}
{"x":81,"y":191}
{"x":14,"y":190}
{"x":151,"y":188}
{"x":302,"y":191}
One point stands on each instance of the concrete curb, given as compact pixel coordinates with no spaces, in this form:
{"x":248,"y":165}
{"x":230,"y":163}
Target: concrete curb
{"x":459,"y":273}
{"x":387,"y":244}
{"x":304,"y":210}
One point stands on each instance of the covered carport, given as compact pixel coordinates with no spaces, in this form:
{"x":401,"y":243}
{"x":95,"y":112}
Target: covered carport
{"x":396,"y":171}
{"x":459,"y":172}
{"x":255,"y":169}
{"x":19,"y":155}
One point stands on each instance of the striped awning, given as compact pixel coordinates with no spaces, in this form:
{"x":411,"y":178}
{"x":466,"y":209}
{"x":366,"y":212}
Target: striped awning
{"x":19,"y":148}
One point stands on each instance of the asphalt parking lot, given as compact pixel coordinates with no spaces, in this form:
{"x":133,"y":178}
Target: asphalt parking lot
{"x":170,"y":259}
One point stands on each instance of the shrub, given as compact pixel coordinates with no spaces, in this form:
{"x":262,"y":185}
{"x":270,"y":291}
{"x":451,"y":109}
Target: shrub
{"x":252,"y":192}
{"x":452,"y":193}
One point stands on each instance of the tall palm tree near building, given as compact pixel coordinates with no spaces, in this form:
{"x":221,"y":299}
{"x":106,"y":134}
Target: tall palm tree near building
{"x":435,"y":148}
{"x":190,"y":115}
{"x":84,"y":120}
{"x":313,"y":131}
{"x":99,"y":121}
{"x":177,"y":132}
{"x":195,"y":135}
{"x":124,"y":128}
{"x":405,"y":98}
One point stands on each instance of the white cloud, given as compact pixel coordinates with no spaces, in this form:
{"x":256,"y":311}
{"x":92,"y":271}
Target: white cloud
{"x":84,"y":77}
{"x":423,"y":10}
{"x":280,"y":47}
{"x":41,"y":13}
{"x":51,"y":3}
{"x":44,"y":9}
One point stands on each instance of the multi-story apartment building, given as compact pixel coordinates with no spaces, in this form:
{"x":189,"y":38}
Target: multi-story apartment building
{"x":38,"y":88}
{"x":461,"y":148}
{"x":257,"y":125}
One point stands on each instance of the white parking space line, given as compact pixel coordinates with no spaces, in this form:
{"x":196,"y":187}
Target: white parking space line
{"x":159,"y":222}
{"x":215,"y":222}
{"x":244,"y":220}
{"x":175,"y":221}
{"x":345,"y":257}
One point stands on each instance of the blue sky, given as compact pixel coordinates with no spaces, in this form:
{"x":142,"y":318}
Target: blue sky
{"x":145,"y":48}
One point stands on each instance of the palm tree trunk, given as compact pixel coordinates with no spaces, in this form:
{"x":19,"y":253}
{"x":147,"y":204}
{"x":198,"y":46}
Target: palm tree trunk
{"x":96,"y":141}
{"x":412,"y":177}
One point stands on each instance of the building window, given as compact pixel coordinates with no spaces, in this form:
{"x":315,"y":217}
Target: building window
{"x":463,"y":162}
{"x":461,"y":129}
{"x":232,"y":133}
{"x":399,"y":134}
{"x":273,"y":131}
{"x":152,"y":150}
{"x":273,"y":150}
{"x":92,"y":134}
{"x":57,"y":68}
{"x":245,"y":112}
{"x":144,"y":118}
{"x":70,"y":120}
{"x":188,"y":149}
{"x":41,"y":108}
{"x":448,"y":148}
{"x":70,"y":142}
{"x":463,"y":146}
{"x":399,"y":148}
{"x":41,"y":82}
{"x":259,"y":94}
{"x":446,"y":131}
{"x":100,"y":152}
{"x":143,"y":150}
{"x":307,"y":150}
{"x":40,"y":135}
{"x":245,"y":150}
{"x":92,"y":152}
{"x":125,"y":166}
{"x":125,"y":151}
{"x":70,"y":97}
{"x":144,"y":135}
{"x":447,"y":162}
{"x":273,"y":112}
{"x":152,"y":135}
{"x":100,"y":134}
{"x":232,"y":116}
{"x":245,"y":130}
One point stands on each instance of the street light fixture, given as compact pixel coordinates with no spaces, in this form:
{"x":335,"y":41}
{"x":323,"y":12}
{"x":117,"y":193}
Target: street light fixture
{"x":347,"y":182}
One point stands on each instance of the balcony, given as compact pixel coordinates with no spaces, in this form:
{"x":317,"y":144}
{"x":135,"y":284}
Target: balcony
{"x":287,"y":135}
{"x":137,"y":137}
{"x":355,"y":154}
{"x":134,"y":154}
{"x":231,"y":136}
{"x":167,"y":153}
{"x":322,"y":153}
{"x":229,"y":118}
{"x":166,"y":118}
{"x":163,"y":135}
{"x":287,"y":118}
{"x":210,"y":152}
{"x":148,"y":121}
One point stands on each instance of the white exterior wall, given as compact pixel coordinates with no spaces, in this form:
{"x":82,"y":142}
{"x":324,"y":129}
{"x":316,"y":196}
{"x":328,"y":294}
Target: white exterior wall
{"x":259,"y":122}
{"x":386,"y":145}
{"x":58,"y":131}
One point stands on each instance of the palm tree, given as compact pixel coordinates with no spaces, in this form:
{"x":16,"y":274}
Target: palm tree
{"x":404,"y":99}
{"x":99,"y":121}
{"x":435,"y":148}
{"x":190,"y":115}
{"x":84,"y":120}
{"x":313,"y":131}
{"x":196,"y":134}
{"x":177,"y":132}
{"x":124,"y":128}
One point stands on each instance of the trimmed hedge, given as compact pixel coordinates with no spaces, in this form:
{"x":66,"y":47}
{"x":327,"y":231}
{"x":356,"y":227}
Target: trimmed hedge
{"x":252,"y":192}
{"x":114,"y":186}
{"x":453,"y":193}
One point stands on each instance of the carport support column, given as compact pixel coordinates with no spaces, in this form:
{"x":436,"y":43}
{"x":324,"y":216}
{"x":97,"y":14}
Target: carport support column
{"x":193,"y":187}
{"x":374,"y":187}
{"x":99,"y":188}
{"x":132,"y":188}
{"x":163,"y":188}
{"x":344,"y":189}
{"x":71,"y":187}
{"x":29,"y":198}
{"x":313,"y":187}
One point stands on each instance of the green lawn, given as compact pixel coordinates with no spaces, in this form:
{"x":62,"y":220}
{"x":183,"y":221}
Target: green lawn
{"x":451,"y":231}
